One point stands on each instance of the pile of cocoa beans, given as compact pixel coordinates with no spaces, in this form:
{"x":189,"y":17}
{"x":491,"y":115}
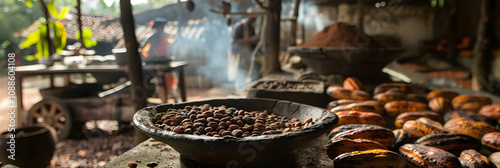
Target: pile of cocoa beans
{"x":405,"y":125}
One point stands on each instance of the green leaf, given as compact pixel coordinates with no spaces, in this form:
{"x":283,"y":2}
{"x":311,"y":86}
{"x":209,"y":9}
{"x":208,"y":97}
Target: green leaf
{"x":29,"y":3}
{"x":441,"y":3}
{"x":31,"y":39}
{"x":63,"y":13}
{"x":52,"y":9}
{"x":5,"y":44}
{"x":30,"y":58}
{"x":59,"y":35}
{"x":77,"y":36}
{"x":87,"y":33}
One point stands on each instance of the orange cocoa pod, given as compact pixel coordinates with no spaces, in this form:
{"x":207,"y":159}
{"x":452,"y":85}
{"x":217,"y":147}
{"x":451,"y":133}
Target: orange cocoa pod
{"x":389,"y":96}
{"x":402,"y":118}
{"x":336,"y":147}
{"x":468,"y":114}
{"x":390,"y":86}
{"x":451,"y":142}
{"x":358,"y":117}
{"x":378,"y":134}
{"x":441,"y":93}
{"x":402,"y":137}
{"x":495,"y":158}
{"x":374,"y":158}
{"x":336,"y":103}
{"x":417,"y":155}
{"x":353,"y":83}
{"x":491,"y":111}
{"x":470,"y":102}
{"x":491,"y":141}
{"x":365,"y":106}
{"x":394,"y":108}
{"x":440,"y":105}
{"x":470,"y":127}
{"x":472,"y":159}
{"x":421,"y":129}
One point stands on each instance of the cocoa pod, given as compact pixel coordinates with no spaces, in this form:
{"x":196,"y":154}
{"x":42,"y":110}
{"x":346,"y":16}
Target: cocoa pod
{"x":338,"y":92}
{"x":467,"y":114}
{"x":440,"y":105}
{"x":389,"y":96}
{"x":378,"y":134}
{"x":340,"y":102}
{"x":470,"y":102}
{"x":353,"y":83}
{"x":416,"y":97}
{"x":403,"y":137}
{"x":472,"y":159}
{"x":452,"y":142}
{"x":441,"y":93}
{"x":495,"y":158}
{"x":336,"y":147}
{"x":394,"y":108}
{"x":491,"y":141}
{"x":430,"y":122}
{"x":375,"y":158}
{"x":417,"y":155}
{"x":470,"y":127}
{"x":346,"y":127}
{"x":365,"y":106}
{"x":392,"y":86}
{"x":358,"y":117}
{"x":402,"y":118}
{"x":421,"y":129}
{"x":492,"y":111}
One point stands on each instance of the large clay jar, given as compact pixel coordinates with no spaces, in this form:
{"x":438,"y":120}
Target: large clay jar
{"x":34,"y":147}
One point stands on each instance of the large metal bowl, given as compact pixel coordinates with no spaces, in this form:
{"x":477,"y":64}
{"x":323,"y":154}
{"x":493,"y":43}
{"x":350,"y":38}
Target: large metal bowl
{"x":346,"y":61}
{"x":246,"y":150}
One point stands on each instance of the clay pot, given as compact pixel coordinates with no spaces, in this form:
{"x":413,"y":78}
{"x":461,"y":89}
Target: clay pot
{"x":34,"y":147}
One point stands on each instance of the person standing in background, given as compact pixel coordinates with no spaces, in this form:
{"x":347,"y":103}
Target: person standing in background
{"x":240,"y":57}
{"x":156,"y":48}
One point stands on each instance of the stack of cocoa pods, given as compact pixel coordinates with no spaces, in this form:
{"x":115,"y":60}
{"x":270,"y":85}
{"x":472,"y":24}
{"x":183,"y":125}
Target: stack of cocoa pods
{"x":404,"y":125}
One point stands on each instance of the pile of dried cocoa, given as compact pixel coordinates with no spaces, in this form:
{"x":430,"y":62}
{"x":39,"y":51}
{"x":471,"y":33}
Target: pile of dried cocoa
{"x":342,"y":35}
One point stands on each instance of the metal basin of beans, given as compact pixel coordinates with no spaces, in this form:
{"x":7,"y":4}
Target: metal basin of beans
{"x":227,"y":131}
{"x":285,"y":85}
{"x":222,"y":121}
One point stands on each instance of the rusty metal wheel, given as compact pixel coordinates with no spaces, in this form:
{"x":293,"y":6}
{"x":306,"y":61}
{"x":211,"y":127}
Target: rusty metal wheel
{"x":53,"y":112}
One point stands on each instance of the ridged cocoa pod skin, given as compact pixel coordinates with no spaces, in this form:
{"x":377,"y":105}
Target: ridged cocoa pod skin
{"x":417,"y":155}
{"x":470,"y":127}
{"x":375,"y":158}
{"x":421,"y":129}
{"x":491,"y":141}
{"x":347,"y":127}
{"x":395,"y":108}
{"x":470,"y":102}
{"x":378,"y":134}
{"x":389,"y":96}
{"x":472,"y":159}
{"x":492,"y":111}
{"x":390,"y":86}
{"x":451,"y":142}
{"x":430,"y":122}
{"x":338,"y":92}
{"x":416,"y":97}
{"x":441,"y":93}
{"x":468,"y":114}
{"x":495,"y":158}
{"x":336,"y":147}
{"x":440,"y":105}
{"x":340,"y":102}
{"x":353,"y":83}
{"x":365,"y":106}
{"x":358,"y":117}
{"x":402,"y":137}
{"x":402,"y":118}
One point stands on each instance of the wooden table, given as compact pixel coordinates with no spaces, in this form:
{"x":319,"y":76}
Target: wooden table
{"x":40,"y":69}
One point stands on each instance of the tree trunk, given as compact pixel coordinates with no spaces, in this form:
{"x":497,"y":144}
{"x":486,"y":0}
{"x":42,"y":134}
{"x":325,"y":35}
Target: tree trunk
{"x":134,"y":61}
{"x":79,"y":20}
{"x":294,"y":23}
{"x":47,"y":19}
{"x":483,"y":48}
{"x":452,"y":33}
{"x":360,"y":13}
{"x":272,"y":38}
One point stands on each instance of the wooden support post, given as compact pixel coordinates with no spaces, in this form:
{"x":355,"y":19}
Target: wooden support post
{"x":272,"y":38}
{"x":483,"y":48}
